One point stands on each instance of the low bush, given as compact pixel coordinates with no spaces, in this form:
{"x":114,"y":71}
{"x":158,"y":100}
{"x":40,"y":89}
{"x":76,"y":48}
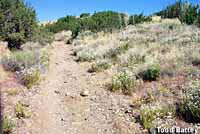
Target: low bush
{"x":7,"y":125}
{"x":43,"y":36}
{"x":15,"y":40}
{"x":100,"y":66}
{"x":12,"y":91}
{"x":190,"y":105}
{"x":112,"y":53}
{"x":132,"y":57}
{"x":86,"y":55}
{"x":151,"y":73}
{"x":20,"y":111}
{"x":19,"y":60}
{"x":124,"y":81}
{"x":150,"y":114}
{"x":29,"y":77}
{"x":28,"y":65}
{"x":63,"y":36}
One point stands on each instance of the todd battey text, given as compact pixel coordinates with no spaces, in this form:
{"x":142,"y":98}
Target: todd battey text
{"x":177,"y":130}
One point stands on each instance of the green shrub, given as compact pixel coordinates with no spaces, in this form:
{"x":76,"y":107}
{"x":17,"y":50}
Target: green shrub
{"x":7,"y":126}
{"x":43,"y":36}
{"x":30,"y":77}
{"x":190,"y":105}
{"x":20,"y":60}
{"x":149,"y":114}
{"x":18,"y":24}
{"x":86,"y":55}
{"x":123,"y":81}
{"x":68,"y":23}
{"x":136,"y":19}
{"x":100,"y":66}
{"x":20,"y":111}
{"x":101,"y":21}
{"x":151,"y":73}
{"x":15,"y":40}
{"x":107,"y":21}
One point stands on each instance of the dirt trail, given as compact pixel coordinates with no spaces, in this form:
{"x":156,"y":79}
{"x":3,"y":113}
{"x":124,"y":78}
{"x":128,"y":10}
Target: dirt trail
{"x":59,"y":108}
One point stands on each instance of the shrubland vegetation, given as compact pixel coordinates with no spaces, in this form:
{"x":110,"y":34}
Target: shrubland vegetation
{"x":107,"y":21}
{"x":27,"y":40}
{"x":190,"y":105}
{"x":148,"y":53}
{"x":136,"y":19}
{"x":136,"y":50}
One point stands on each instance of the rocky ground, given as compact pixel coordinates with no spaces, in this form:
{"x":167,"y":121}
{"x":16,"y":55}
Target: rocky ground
{"x":72,"y":101}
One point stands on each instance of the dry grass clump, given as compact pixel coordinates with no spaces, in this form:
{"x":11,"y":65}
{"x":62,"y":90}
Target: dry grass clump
{"x":12,"y":91}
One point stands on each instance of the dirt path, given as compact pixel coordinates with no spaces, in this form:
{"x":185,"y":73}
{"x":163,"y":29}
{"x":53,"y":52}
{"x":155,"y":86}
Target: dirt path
{"x":59,"y":108}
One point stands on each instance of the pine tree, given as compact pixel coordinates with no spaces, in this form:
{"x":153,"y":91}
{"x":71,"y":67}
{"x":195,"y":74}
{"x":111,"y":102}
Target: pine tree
{"x":18,"y":22}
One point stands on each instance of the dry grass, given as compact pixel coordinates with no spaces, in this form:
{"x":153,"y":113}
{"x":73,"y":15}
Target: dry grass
{"x":173,"y":47}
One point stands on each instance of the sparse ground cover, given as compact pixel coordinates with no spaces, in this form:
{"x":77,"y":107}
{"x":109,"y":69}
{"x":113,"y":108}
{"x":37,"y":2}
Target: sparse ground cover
{"x":112,"y":73}
{"x":142,"y":77}
{"x":20,"y":71}
{"x":152,"y":61}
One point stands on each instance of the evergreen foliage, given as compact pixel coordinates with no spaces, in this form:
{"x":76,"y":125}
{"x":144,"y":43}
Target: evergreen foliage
{"x":101,"y":21}
{"x":17,"y":22}
{"x":185,"y":11}
{"x":136,"y":19}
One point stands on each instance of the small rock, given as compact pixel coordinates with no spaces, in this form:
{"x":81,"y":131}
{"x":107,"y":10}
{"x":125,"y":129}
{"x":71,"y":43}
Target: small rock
{"x":57,"y":92}
{"x":84,"y":93}
{"x":62,"y":119}
{"x":128,"y":111}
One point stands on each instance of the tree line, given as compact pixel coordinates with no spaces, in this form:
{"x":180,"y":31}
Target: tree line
{"x":101,"y":21}
{"x":18,"y":21}
{"x":185,"y":11}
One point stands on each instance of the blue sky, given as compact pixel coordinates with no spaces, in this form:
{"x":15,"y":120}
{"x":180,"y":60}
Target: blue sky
{"x":53,"y":9}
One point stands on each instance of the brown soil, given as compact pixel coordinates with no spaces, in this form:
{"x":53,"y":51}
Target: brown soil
{"x":58,"y":108}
